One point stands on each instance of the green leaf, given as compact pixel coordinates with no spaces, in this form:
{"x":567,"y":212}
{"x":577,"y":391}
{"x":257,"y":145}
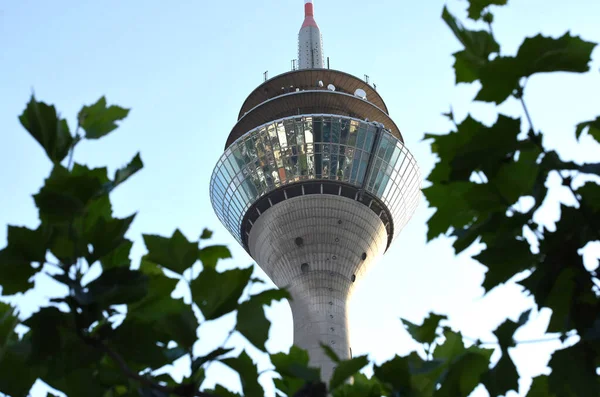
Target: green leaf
{"x":98,"y":120}
{"x":505,"y":331}
{"x":517,"y":178}
{"x":118,"y":286}
{"x":8,"y":322}
{"x":217,"y":293}
{"x":541,"y":54}
{"x":15,"y":272}
{"x":504,"y":260}
{"x":206,"y":234}
{"x":106,"y":236}
{"x":362,"y":387}
{"x":295,"y":364}
{"x":411,"y":375}
{"x":330,"y":353}
{"x":48,"y":129}
{"x":500,"y":77}
{"x":345,"y":369}
{"x":479,"y":45}
{"x":17,"y":375}
{"x":504,"y":376}
{"x":198,"y":362}
{"x":118,"y":257}
{"x":590,"y":195}
{"x":592,"y":127}
{"x":476,"y":7}
{"x":574,"y":372}
{"x":67,"y":194}
{"x":465,"y":367}
{"x":251,"y":320}
{"x":144,"y":349}
{"x":210,"y":255}
{"x":425,"y":333}
{"x":124,"y":173}
{"x":248,"y":373}
{"x":175,"y":253}
{"x":31,"y":244}
{"x":221,"y":392}
{"x":539,"y":387}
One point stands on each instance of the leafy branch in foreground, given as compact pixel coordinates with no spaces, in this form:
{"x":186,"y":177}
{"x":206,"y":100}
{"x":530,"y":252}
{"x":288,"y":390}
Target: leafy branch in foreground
{"x":486,"y":174}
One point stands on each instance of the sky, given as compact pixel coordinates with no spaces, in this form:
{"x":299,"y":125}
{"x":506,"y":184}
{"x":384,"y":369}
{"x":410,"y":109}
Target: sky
{"x":185,"y":67}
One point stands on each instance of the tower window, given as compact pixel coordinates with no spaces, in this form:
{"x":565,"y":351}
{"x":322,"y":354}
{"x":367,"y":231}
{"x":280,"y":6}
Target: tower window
{"x":299,"y":241}
{"x":304,"y":267}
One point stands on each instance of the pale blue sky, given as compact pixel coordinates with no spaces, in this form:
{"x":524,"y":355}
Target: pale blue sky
{"x":185,"y":67}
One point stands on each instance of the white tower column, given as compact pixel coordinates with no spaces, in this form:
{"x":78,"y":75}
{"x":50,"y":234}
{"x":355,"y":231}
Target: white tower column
{"x":318,"y":246}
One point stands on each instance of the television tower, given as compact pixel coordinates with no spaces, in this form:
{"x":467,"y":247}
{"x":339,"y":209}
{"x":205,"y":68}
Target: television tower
{"x":315,"y":183}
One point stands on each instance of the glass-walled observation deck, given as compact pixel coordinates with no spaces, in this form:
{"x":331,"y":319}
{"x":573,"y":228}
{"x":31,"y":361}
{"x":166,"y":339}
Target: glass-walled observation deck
{"x":314,"y":148}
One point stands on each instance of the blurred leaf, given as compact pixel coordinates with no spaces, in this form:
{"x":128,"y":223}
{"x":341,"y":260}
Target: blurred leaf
{"x":294,"y":364}
{"x":15,"y":272}
{"x":30,"y":244}
{"x":217,"y":293}
{"x":206,"y":234}
{"x":542,"y":54}
{"x":330,"y":353}
{"x":211,"y":254}
{"x":590,"y":195}
{"x":118,"y":286}
{"x":48,"y":129}
{"x":106,"y":236}
{"x":465,"y":366}
{"x":592,"y":127}
{"x":476,"y":7}
{"x":539,"y":387}
{"x":248,"y":373}
{"x":221,"y":392}
{"x":500,"y":77}
{"x":175,"y":253}
{"x":8,"y":322}
{"x":479,"y":45}
{"x":345,"y":369}
{"x":425,"y":333}
{"x":504,"y":260}
{"x":361,"y":387}
{"x":504,"y":376}
{"x":574,"y":372}
{"x":98,"y":120}
{"x":118,"y":257}
{"x":124,"y":173}
{"x":251,"y":320}
{"x":17,"y":375}
{"x":198,"y":362}
{"x":411,"y":375}
{"x":144,"y":349}
{"x":66,"y":194}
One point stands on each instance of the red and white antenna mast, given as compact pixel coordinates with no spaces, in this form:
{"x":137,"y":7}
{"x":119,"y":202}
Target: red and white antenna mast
{"x":310,"y":44}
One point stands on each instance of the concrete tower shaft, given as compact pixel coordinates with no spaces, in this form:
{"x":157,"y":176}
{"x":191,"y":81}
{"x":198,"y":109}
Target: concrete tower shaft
{"x":319,"y":247}
{"x":310,"y":42}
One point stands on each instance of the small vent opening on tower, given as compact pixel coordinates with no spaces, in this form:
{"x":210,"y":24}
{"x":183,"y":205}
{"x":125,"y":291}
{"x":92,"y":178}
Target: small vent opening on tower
{"x":304,"y":267}
{"x":299,"y":241}
{"x":353,"y":278}
{"x":363,"y":256}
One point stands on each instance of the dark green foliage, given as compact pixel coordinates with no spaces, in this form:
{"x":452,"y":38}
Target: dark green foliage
{"x":244,"y":366}
{"x":175,"y":253}
{"x":98,"y":119}
{"x":425,"y":333}
{"x":592,"y":127}
{"x":482,"y":173}
{"x":345,"y":369}
{"x":52,"y":132}
{"x":217,"y":293}
{"x":251,"y":320}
